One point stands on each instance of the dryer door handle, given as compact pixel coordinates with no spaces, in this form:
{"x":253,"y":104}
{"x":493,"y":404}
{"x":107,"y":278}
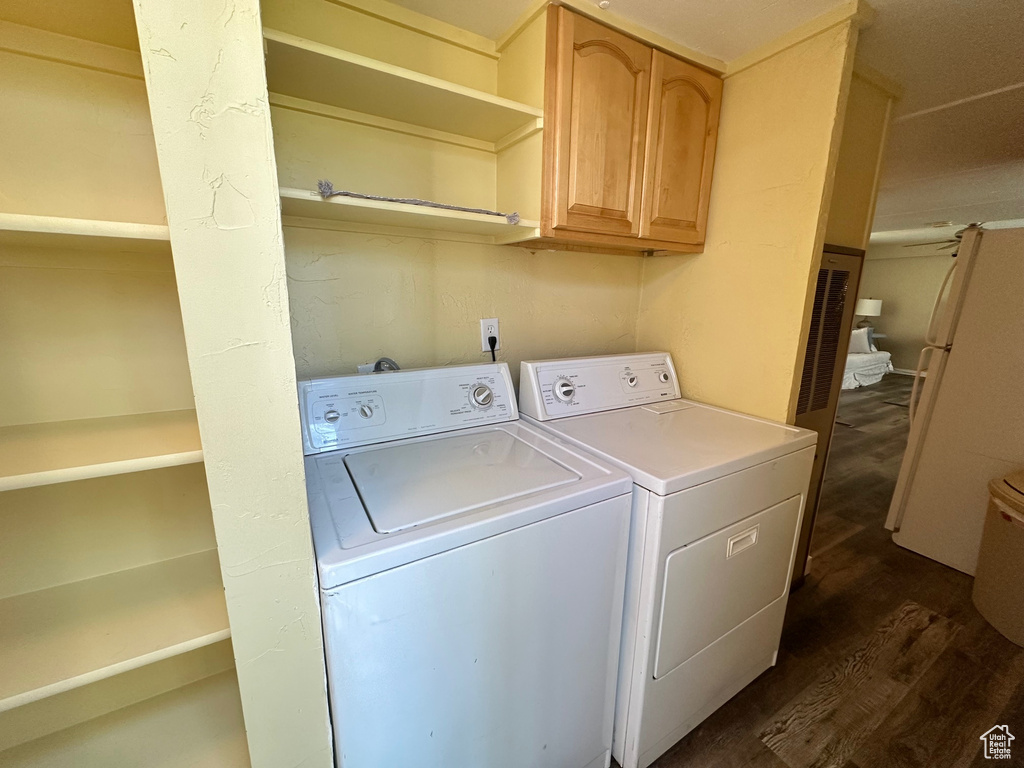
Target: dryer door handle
{"x":741,"y":541}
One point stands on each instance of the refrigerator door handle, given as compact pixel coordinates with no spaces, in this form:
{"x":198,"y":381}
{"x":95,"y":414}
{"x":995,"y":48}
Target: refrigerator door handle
{"x":933,"y":320}
{"x":918,"y":375}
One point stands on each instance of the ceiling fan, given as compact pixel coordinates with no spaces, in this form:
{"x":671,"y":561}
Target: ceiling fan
{"x":949,"y":243}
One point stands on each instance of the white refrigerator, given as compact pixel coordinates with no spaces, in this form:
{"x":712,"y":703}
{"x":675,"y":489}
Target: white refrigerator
{"x":967,"y":425}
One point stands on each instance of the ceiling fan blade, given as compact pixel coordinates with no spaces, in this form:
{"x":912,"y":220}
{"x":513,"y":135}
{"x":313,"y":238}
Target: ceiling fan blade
{"x":932,"y":242}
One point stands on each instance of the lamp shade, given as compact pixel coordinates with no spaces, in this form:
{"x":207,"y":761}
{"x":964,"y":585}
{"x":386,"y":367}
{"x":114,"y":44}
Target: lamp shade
{"x":868,"y":307}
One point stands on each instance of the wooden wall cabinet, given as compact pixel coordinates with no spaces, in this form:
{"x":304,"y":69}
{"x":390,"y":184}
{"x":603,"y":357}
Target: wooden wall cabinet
{"x":599,"y":83}
{"x":629,"y":140}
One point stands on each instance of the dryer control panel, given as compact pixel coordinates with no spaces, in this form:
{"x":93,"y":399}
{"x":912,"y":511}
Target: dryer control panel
{"x":340,"y":411}
{"x":552,"y":389}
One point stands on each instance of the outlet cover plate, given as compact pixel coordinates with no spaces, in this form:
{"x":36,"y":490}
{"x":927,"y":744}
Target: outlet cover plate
{"x":489,"y":327}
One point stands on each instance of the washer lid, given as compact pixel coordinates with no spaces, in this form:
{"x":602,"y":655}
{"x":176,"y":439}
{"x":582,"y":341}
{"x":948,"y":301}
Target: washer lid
{"x":675,"y":445}
{"x":410,"y":484}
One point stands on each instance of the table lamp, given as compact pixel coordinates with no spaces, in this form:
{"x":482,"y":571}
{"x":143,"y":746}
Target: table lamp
{"x":867,"y":308}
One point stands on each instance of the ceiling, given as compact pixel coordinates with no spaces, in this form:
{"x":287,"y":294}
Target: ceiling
{"x":732,"y":29}
{"x":956,"y":146}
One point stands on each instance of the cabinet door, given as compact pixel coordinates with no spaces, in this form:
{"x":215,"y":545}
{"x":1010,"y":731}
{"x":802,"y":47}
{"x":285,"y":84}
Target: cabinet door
{"x":598,"y":86}
{"x":682,"y":128}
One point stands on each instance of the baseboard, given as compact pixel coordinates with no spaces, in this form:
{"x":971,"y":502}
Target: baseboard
{"x":906,"y":372}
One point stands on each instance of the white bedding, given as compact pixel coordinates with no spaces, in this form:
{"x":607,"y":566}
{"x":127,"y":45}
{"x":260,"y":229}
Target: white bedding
{"x":862,"y":370}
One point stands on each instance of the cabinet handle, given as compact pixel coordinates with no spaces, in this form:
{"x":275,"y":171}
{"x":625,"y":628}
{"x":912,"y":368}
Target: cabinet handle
{"x":741,"y":541}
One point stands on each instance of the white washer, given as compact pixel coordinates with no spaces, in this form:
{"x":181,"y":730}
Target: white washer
{"x":471,"y":573}
{"x":717,"y":500}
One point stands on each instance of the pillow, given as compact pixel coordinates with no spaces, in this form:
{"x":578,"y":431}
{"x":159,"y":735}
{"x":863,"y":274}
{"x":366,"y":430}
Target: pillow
{"x":860,"y":342}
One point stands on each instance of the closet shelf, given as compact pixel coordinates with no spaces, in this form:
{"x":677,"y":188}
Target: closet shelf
{"x":65,"y":637}
{"x":309,"y":205}
{"x":63,"y":451}
{"x":83,"y":234}
{"x":309,"y":70}
{"x":199,"y":725}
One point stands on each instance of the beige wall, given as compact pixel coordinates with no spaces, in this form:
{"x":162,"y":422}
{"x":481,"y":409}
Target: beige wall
{"x":733,"y":316}
{"x":907,"y":288}
{"x":357,"y":297}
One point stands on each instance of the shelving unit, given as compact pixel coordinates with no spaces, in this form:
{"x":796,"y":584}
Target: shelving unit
{"x":114,"y":635}
{"x":379,"y":128}
{"x":71,"y":635}
{"x":199,"y":725}
{"x":320,"y":73}
{"x":493,"y":229}
{"x":61,"y":452}
{"x":82,"y":234}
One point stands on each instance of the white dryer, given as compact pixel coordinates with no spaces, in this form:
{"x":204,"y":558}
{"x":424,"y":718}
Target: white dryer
{"x":717,"y":501}
{"x":471,"y":574}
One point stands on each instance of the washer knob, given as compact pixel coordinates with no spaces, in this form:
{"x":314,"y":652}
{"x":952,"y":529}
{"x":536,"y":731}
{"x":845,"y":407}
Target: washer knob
{"x":366,"y":411}
{"x":631,"y":380}
{"x":663,"y":377}
{"x":482,"y":396}
{"x":564,"y":390}
{"x":332,"y":416}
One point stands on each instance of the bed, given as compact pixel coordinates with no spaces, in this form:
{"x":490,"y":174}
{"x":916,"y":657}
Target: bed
{"x":865,"y":364}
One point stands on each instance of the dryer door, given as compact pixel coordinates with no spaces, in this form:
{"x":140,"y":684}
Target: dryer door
{"x":716,"y":583}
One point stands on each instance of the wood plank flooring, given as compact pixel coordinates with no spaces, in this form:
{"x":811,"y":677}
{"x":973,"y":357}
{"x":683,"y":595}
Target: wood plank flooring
{"x":884,"y":660}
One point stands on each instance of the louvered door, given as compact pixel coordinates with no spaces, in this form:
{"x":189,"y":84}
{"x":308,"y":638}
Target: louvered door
{"x":828,"y":338}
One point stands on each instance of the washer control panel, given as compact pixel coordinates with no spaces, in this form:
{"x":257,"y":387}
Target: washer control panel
{"x":339,"y":411}
{"x":551,"y":389}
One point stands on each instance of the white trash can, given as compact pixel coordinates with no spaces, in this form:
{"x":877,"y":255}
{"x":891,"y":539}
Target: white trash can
{"x":999,"y":580}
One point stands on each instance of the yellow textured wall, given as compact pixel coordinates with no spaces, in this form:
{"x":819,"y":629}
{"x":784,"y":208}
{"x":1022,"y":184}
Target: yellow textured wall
{"x":357,"y":297}
{"x":733,"y":316}
{"x":371,"y":161}
{"x":858,"y":169}
{"x":61,"y":533}
{"x":907,"y":288}
{"x":85,"y":335}
{"x":77,"y":143}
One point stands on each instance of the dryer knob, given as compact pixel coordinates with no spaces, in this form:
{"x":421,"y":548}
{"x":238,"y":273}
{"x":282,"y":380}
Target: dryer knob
{"x":663,"y":377}
{"x":631,"y":380}
{"x":564,"y":390}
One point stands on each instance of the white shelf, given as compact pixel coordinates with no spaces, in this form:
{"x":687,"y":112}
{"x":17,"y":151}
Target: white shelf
{"x":199,"y":726}
{"x":309,"y":70}
{"x":64,"y":451}
{"x":309,"y":205}
{"x":83,"y":234}
{"x":65,"y":637}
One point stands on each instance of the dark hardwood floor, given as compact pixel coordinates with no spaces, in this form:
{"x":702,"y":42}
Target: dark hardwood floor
{"x":884,"y":660}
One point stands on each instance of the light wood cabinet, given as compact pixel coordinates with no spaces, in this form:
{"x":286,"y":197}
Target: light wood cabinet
{"x":682,"y":129}
{"x":599,"y":95}
{"x":629,"y":140}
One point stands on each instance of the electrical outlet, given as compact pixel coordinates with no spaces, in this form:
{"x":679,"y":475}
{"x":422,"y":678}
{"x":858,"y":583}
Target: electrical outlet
{"x":489,"y":327}
{"x":365,"y":367}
